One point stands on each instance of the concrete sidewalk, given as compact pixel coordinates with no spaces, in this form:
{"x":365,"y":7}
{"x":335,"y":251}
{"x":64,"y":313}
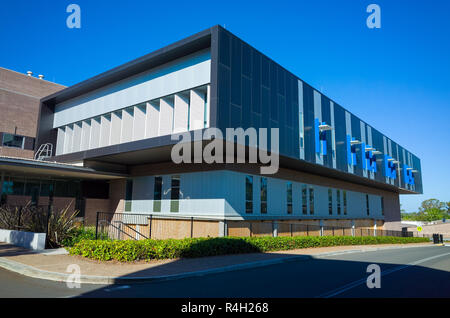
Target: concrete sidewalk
{"x":54,"y":266}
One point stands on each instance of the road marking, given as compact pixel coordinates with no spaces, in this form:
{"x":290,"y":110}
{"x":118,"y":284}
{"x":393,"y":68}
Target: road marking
{"x":361,"y":281}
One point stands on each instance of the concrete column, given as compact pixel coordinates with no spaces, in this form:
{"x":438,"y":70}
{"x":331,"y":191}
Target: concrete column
{"x":127,"y":125}
{"x":105,"y":131}
{"x":139,"y":122}
{"x":116,"y":127}
{"x":60,"y":141}
{"x":85,"y":135}
{"x":77,"y":129}
{"x":321,"y":227}
{"x":152,"y":120}
{"x":165,"y":116}
{"x":181,"y":111}
{"x":197,"y":110}
{"x":353,"y":227}
{"x":374,"y":227}
{"x":274,"y":228}
{"x":223,"y":228}
{"x":68,"y":139}
{"x":95,"y":133}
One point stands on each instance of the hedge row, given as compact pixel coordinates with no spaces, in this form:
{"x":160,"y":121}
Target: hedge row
{"x":126,"y":251}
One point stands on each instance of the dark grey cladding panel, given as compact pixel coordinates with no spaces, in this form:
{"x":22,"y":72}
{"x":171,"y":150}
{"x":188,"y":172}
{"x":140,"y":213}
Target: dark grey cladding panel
{"x":254,"y":91}
{"x":340,"y":135}
{"x":308,"y":118}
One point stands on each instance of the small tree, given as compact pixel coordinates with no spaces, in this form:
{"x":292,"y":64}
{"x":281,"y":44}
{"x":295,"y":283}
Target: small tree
{"x":432,"y":210}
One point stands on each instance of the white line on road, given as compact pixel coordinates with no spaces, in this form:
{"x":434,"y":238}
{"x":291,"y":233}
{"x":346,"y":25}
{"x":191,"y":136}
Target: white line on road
{"x":361,"y":281}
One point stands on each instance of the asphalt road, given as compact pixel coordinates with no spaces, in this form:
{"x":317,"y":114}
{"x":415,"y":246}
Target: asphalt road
{"x":409,"y":272}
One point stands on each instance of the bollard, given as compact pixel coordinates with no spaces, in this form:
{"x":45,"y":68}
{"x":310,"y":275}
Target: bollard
{"x":435,"y":238}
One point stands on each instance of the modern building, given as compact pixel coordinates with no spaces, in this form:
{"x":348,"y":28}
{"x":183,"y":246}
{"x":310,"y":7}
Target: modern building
{"x":334,"y":167}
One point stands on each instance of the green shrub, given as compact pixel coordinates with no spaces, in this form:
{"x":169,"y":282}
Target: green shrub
{"x":78,"y":234}
{"x":127,"y":251}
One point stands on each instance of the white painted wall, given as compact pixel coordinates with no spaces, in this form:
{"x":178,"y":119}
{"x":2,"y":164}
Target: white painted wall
{"x":34,"y":241}
{"x":222,"y":193}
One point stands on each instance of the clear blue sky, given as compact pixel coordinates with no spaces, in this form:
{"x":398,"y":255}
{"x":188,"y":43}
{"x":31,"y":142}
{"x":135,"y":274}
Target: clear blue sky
{"x":396,"y":78}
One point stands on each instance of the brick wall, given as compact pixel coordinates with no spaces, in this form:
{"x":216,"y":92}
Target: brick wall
{"x":92,"y":207}
{"x":19,"y":106}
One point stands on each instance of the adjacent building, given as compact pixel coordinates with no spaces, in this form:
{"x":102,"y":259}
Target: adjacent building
{"x":19,"y":109}
{"x":335,"y":168}
{"x":25,"y":180}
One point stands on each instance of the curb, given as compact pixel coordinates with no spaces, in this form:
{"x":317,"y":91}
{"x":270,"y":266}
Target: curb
{"x":33,"y":272}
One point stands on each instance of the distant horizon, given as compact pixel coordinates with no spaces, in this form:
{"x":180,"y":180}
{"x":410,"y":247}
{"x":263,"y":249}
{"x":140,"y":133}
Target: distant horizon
{"x":396,"y":78}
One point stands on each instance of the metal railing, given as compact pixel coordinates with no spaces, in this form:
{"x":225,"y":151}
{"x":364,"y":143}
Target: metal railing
{"x":136,"y":226}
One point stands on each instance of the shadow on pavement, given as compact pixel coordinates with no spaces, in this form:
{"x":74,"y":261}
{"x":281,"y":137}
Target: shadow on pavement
{"x":308,"y":277}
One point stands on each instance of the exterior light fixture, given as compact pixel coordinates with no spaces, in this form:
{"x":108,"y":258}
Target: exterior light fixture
{"x":376,"y":152}
{"x":325,"y":127}
{"x":355,"y":142}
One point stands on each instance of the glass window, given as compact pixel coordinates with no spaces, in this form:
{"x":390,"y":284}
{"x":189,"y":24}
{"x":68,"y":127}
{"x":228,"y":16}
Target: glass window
{"x":338,"y":198}
{"x":175,"y":194}
{"x":46,"y":188}
{"x":311,"y":200}
{"x":129,"y":190}
{"x":263,"y":195}
{"x":248,"y":194}
{"x":330,"y":202}
{"x":289,"y":198}
{"x":7,"y":187}
{"x":304,"y":198}
{"x":18,"y":186}
{"x":344,"y":194}
{"x":15,"y":141}
{"x":61,"y":189}
{"x":31,"y":186}
{"x":157,"y":194}
{"x":301,"y":130}
{"x":367,"y":204}
{"x":128,"y":195}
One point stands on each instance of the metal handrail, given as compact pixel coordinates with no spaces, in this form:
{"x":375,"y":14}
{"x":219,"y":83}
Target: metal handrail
{"x":116,"y":227}
{"x":129,"y":227}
